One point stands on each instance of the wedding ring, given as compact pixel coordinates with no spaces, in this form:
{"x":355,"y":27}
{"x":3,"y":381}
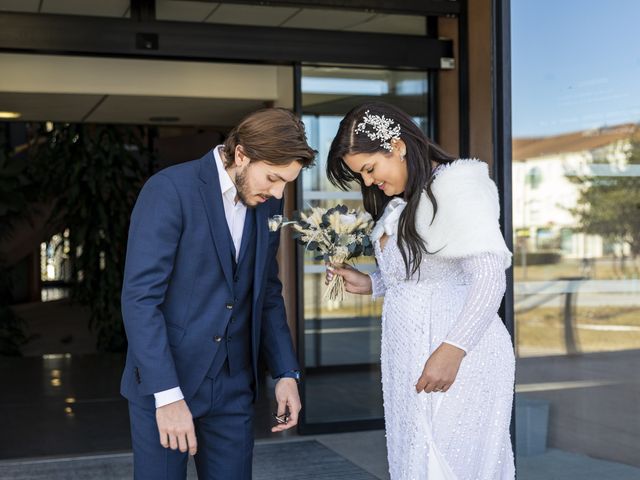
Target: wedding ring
{"x":281,"y":419}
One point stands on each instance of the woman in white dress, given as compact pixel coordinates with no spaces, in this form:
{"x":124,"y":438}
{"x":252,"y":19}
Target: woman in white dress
{"x":447,"y":358}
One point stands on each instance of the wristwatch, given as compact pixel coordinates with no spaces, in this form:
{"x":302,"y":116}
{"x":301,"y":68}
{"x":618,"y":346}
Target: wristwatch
{"x":295,"y":374}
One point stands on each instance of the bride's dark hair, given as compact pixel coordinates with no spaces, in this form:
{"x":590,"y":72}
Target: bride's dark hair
{"x":421,"y":151}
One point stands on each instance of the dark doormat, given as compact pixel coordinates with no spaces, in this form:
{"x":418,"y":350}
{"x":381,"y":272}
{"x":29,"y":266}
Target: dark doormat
{"x":299,"y":460}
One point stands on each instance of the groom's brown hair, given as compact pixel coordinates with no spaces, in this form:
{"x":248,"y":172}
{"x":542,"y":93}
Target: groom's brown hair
{"x":272,"y":135}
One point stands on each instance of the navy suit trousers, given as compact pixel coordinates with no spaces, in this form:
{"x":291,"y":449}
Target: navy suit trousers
{"x":222,"y":411}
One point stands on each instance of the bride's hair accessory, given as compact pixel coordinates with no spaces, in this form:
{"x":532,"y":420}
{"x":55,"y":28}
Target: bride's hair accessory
{"x":379,"y":127}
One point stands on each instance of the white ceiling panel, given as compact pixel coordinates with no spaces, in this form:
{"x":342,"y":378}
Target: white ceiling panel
{"x":131,"y":91}
{"x":327,"y":19}
{"x":183,"y":11}
{"x":44,"y":106}
{"x":19,"y":5}
{"x":259,"y":15}
{"x":251,"y":15}
{"x":139,"y":110}
{"x":101,"y":8}
{"x":398,"y":24}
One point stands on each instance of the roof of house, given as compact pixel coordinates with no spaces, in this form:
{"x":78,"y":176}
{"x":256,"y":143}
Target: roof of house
{"x":584,"y":140}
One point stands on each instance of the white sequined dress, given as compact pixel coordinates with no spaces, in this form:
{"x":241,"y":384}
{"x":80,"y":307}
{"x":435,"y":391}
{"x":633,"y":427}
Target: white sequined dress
{"x":462,"y":434}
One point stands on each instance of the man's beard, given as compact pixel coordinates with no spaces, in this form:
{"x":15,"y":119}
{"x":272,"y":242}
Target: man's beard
{"x":242,"y":188}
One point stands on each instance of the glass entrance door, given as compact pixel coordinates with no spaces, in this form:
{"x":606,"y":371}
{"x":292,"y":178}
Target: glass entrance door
{"x":340,"y":343}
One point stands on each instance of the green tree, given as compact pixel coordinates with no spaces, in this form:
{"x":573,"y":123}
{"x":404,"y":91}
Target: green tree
{"x":609,"y":206}
{"x":93,"y":174}
{"x":14,"y":206}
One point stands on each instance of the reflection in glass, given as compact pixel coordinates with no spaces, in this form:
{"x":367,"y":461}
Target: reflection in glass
{"x":576,"y":217}
{"x":55,"y":267}
{"x":577,"y":294}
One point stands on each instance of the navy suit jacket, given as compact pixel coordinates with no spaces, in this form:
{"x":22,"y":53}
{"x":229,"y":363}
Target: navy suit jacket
{"x":178,"y":281}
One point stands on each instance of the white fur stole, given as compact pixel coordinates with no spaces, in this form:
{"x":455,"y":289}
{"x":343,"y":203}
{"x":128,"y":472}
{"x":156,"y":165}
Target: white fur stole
{"x":467,"y":218}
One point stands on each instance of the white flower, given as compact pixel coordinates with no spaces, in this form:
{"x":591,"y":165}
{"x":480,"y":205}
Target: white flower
{"x":275,"y":223}
{"x":348,"y":219}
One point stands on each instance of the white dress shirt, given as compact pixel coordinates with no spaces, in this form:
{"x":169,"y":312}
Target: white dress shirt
{"x":235,"y":213}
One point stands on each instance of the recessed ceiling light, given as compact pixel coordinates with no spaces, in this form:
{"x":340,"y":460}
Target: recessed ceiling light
{"x":10,"y":115}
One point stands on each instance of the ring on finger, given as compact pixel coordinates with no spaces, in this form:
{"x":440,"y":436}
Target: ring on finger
{"x":281,"y":419}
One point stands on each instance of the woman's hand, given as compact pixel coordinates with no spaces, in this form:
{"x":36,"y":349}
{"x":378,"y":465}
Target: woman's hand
{"x":354,"y":280}
{"x":441,"y":369}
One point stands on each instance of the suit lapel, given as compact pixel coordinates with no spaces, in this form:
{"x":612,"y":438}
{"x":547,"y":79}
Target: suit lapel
{"x":213,"y":205}
{"x":247,"y":233}
{"x":262,"y":244}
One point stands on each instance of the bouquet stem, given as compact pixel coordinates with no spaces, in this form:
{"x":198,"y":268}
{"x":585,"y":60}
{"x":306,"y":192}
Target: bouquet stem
{"x":336,"y":288}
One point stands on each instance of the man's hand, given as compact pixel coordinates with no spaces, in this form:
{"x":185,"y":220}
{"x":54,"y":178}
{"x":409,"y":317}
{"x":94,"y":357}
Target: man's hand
{"x":288,"y":399}
{"x":175,"y":425}
{"x":441,"y":369}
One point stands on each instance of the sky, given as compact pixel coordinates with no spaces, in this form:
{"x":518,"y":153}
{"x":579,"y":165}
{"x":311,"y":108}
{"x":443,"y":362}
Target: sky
{"x":575,"y":65}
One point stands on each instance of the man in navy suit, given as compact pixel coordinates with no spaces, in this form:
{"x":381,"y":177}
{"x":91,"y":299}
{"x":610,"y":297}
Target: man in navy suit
{"x":201,"y":299}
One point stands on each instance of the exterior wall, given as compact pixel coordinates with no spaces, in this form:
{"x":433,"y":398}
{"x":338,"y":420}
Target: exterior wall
{"x":287,"y":250}
{"x":448,"y":92}
{"x":480,"y":97}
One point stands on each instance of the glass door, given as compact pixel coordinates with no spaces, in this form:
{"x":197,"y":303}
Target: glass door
{"x":340,"y":343}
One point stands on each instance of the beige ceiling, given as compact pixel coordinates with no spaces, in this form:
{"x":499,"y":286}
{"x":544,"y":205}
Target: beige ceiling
{"x":63,"y":88}
{"x":324,"y":19}
{"x":106,"y":90}
{"x":220,"y":12}
{"x":101,"y":8}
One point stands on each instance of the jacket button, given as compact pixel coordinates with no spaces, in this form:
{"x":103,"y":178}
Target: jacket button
{"x":217,"y":339}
